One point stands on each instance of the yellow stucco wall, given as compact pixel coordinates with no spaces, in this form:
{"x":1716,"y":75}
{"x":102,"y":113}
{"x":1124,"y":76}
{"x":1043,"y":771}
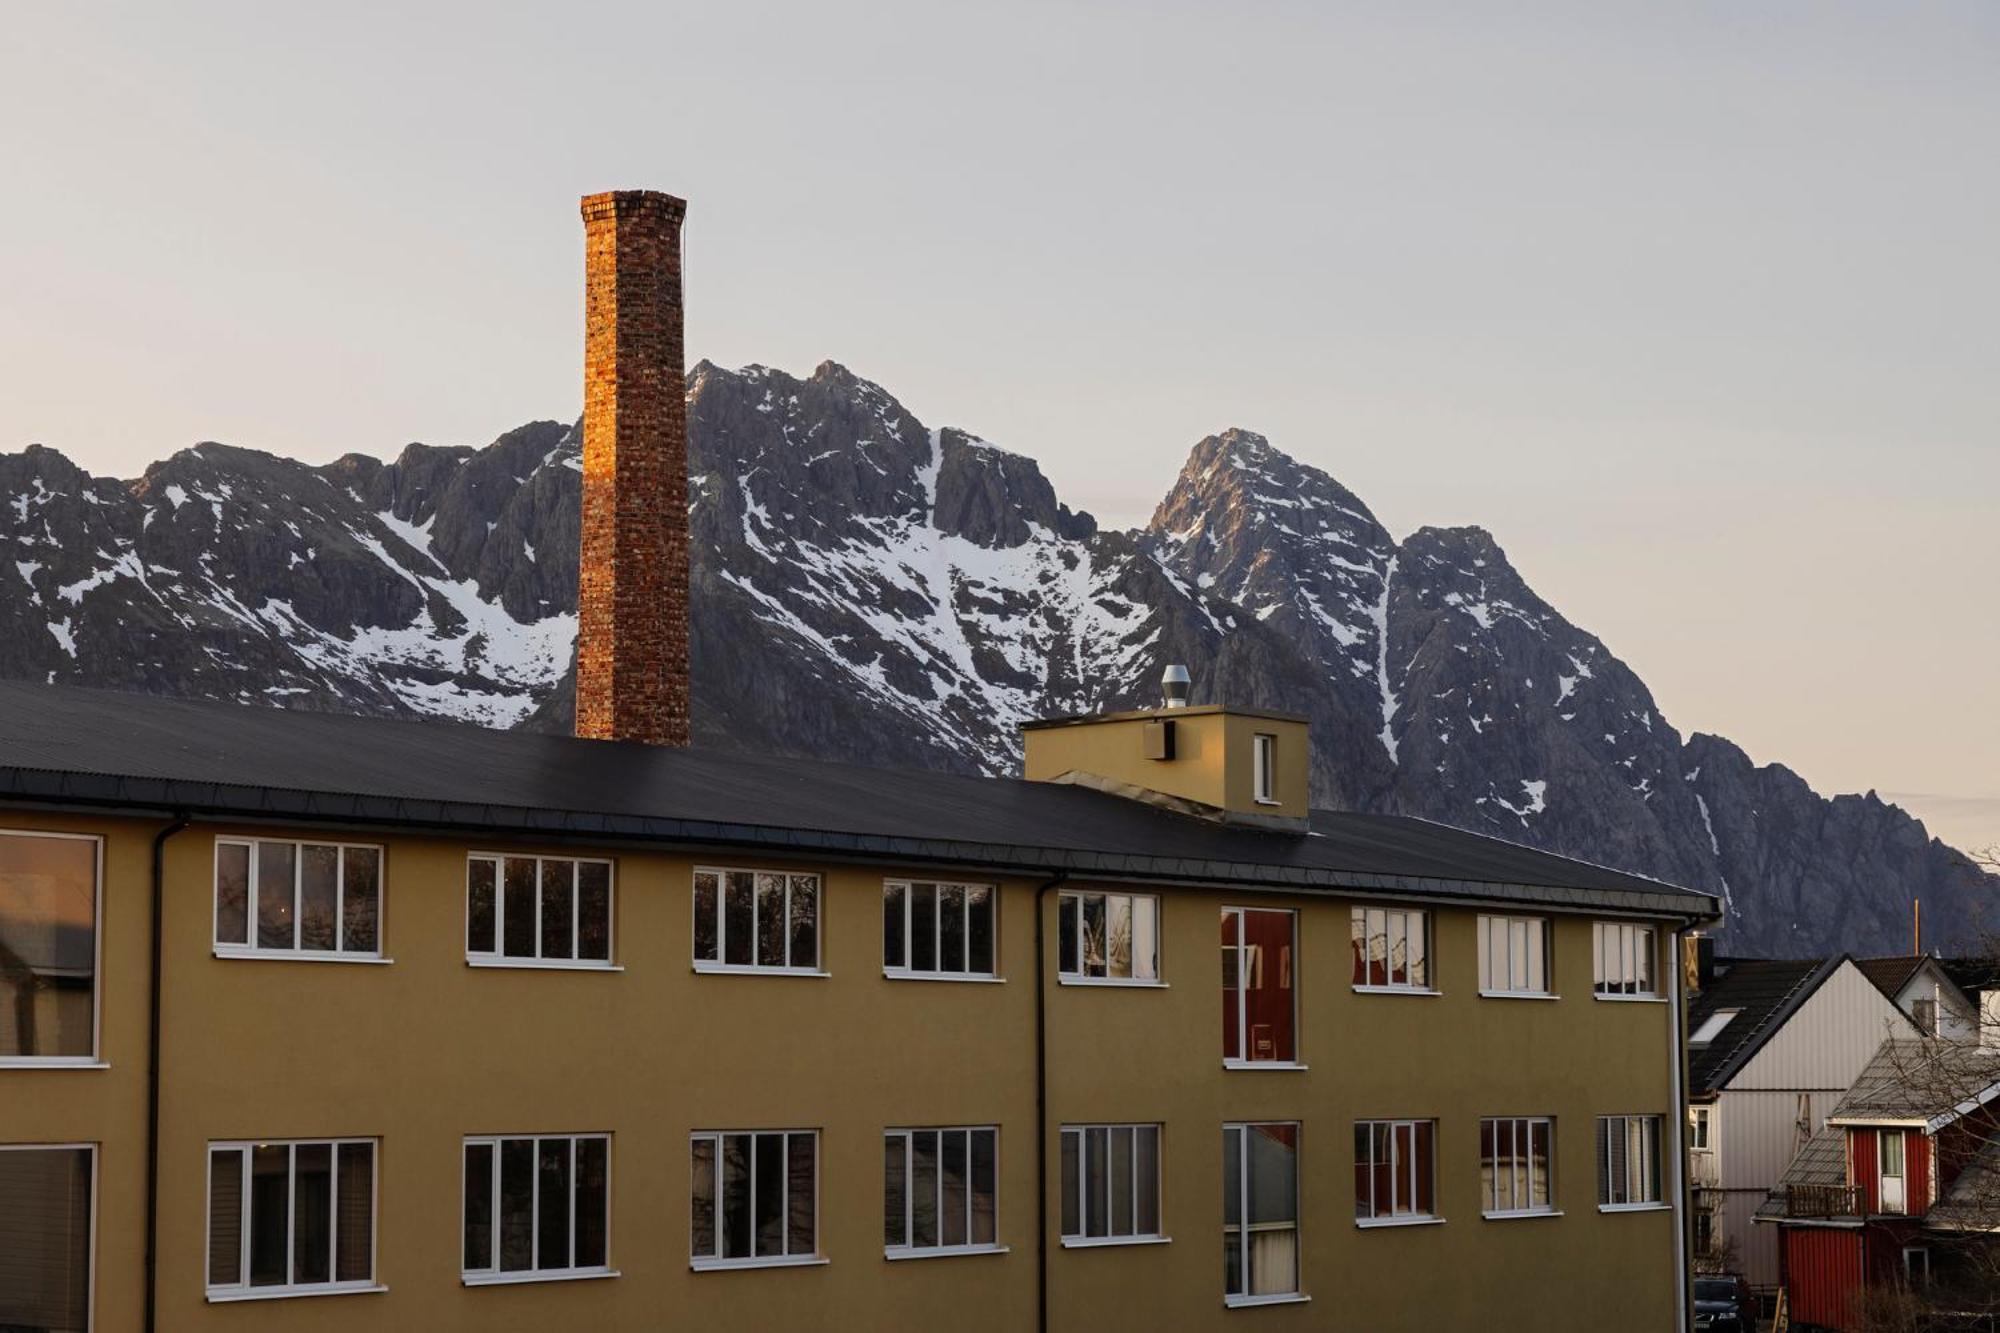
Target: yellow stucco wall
{"x":427,"y":1050}
{"x":1212,"y":756}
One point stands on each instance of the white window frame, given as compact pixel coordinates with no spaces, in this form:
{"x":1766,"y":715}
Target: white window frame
{"x":96,"y":1191}
{"x":716,"y":1260}
{"x":1521,"y":1167}
{"x":908,"y":1249}
{"x":1712,"y":1027}
{"x":1083,"y":1239}
{"x":1264,"y":768}
{"x":906,"y":973}
{"x":1244,"y":965}
{"x":1910,"y":1270}
{"x":1400,"y":1180}
{"x":298,"y":953}
{"x":94,"y":1060}
{"x":1701,"y":1129}
{"x":1651,"y":1170}
{"x":1902,"y":1173}
{"x":1297,"y":1295}
{"x":498,"y":956}
{"x":716,"y":965}
{"x":1513,"y":937}
{"x":1395,"y":921}
{"x":1070,"y":902}
{"x":498,"y":1276}
{"x":242,"y":1290}
{"x":1616,"y":947}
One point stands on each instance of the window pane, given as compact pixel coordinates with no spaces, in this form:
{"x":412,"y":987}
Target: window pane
{"x":805,"y":921}
{"x":319,"y":897}
{"x":1121,"y":1181}
{"x":953,"y":1171}
{"x":1096,"y":1180}
{"x":1538,"y":1147}
{"x":1118,"y":936}
{"x":1146,"y":939}
{"x":558,"y":909}
{"x":923,"y":927}
{"x":517,"y":927}
{"x":270,"y":1212}
{"x":1091,"y":938}
{"x":517,"y":1205}
{"x":593,"y":1201}
{"x":702,"y":1238}
{"x":479,"y":917}
{"x":1273,"y":1175}
{"x":1364,"y":1169}
{"x":1232,"y":987}
{"x":361,"y":890}
{"x":736,"y":1196}
{"x":951,"y":927}
{"x":232,"y":892}
{"x":1232,"y":1176}
{"x":478,"y":1207}
{"x":985,"y":1185}
{"x":706,"y":890}
{"x":923,"y":1187}
{"x":801,"y":1224}
{"x":1066,"y":946}
{"x":45,"y":1261}
{"x":1361,"y":946}
{"x":1426,"y":1168}
{"x":276,"y":883}
{"x":979,"y":929}
{"x":894,"y":897}
{"x":769,"y":1207}
{"x":225,"y":1212}
{"x":771,"y":921}
{"x":48,"y":934}
{"x":1072,"y":1183}
{"x":1268,"y":993}
{"x":552,"y":1229}
{"x":354,"y":1214}
{"x":312,"y":1212}
{"x":593,"y":911}
{"x":895,"y":1190}
{"x":739,"y":918}
{"x":1146,"y":1170}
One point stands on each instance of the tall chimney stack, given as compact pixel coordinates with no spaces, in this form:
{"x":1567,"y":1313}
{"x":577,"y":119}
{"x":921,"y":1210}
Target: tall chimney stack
{"x":632,"y":578}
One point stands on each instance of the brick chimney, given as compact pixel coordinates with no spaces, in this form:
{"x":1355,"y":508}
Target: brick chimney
{"x":632,"y":578}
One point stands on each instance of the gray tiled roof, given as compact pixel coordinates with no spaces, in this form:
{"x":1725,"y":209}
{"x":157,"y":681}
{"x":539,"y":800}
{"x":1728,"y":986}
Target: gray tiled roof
{"x":1915,"y":1078}
{"x":1821,"y":1162}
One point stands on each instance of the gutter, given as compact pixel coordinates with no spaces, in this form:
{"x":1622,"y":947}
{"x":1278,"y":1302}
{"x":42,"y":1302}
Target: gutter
{"x":1042,"y":1103}
{"x":180,"y":821}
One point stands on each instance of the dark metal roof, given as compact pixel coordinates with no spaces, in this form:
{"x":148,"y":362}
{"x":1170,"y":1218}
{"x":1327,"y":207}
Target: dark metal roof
{"x":1767,"y":992}
{"x":1890,"y":975}
{"x":100,"y":748}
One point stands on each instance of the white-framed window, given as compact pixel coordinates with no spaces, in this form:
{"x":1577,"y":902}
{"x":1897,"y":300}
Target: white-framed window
{"x":1892,"y":1182}
{"x":291,"y":1217}
{"x":1108,"y":937}
{"x":1924,"y":1014}
{"x":940,"y":931}
{"x":538,"y":911}
{"x":1260,"y":1212}
{"x":1712,"y":1027}
{"x":1110,"y":1184}
{"x":51,"y":900}
{"x":755,"y":1198}
{"x":1516,"y":1165}
{"x":1628,"y":1161}
{"x":537,"y":1206}
{"x":1395,"y":1171}
{"x":1392,"y":949}
{"x":46,"y":1279}
{"x":297,"y":899}
{"x":1625,"y":957}
{"x":756,"y":921}
{"x":1259,"y":999}
{"x":1513,"y":955}
{"x":1264,"y":768}
{"x":940,"y":1191}
{"x":1701,"y":1120}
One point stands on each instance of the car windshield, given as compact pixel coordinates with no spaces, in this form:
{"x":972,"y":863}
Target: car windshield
{"x":1714,"y":1289}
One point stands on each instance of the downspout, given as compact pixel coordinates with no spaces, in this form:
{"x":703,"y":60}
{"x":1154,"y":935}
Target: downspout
{"x":1042,"y":1105}
{"x":153,"y":1074}
{"x":1683,"y":1186}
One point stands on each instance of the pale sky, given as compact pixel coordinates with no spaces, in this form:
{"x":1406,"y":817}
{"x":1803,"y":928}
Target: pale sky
{"x":1695,"y":306}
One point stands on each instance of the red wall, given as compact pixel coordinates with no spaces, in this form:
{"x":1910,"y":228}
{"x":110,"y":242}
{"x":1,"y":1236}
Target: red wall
{"x":1862,"y":1161}
{"x":1823,"y":1271}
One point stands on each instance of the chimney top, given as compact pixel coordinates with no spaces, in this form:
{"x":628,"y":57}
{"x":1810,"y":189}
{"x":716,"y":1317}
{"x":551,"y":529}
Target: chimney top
{"x":1174,"y":683}
{"x":632,"y":203}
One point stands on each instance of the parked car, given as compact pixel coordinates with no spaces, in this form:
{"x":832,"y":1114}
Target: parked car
{"x":1724,"y":1304}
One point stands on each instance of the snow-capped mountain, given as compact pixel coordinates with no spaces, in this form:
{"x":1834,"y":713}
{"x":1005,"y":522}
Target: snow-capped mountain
{"x":869,"y":588}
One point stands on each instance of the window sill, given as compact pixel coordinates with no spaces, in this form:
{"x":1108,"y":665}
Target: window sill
{"x":1635,"y":1208}
{"x":775,"y":1261}
{"x":1292,"y":1065}
{"x":1246,"y":1302}
{"x":516,"y":1279}
{"x":1512,"y":1214}
{"x":1631,"y":999}
{"x":1518,"y":995}
{"x":299,"y":956}
{"x":544,"y":965}
{"x":53,"y":1062}
{"x":1371,"y":1223}
{"x":1266,"y":800}
{"x":1116,"y":983}
{"x":904,"y":974}
{"x":289,"y":1293}
{"x":944,"y":1251}
{"x":752,"y":970}
{"x":1106,"y":1242}
{"x":1396,"y":990}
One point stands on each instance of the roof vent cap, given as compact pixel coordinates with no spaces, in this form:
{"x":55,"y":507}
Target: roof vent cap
{"x":1174,"y":683}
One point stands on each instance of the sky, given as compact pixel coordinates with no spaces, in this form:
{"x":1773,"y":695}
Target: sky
{"x":1695,"y":307}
